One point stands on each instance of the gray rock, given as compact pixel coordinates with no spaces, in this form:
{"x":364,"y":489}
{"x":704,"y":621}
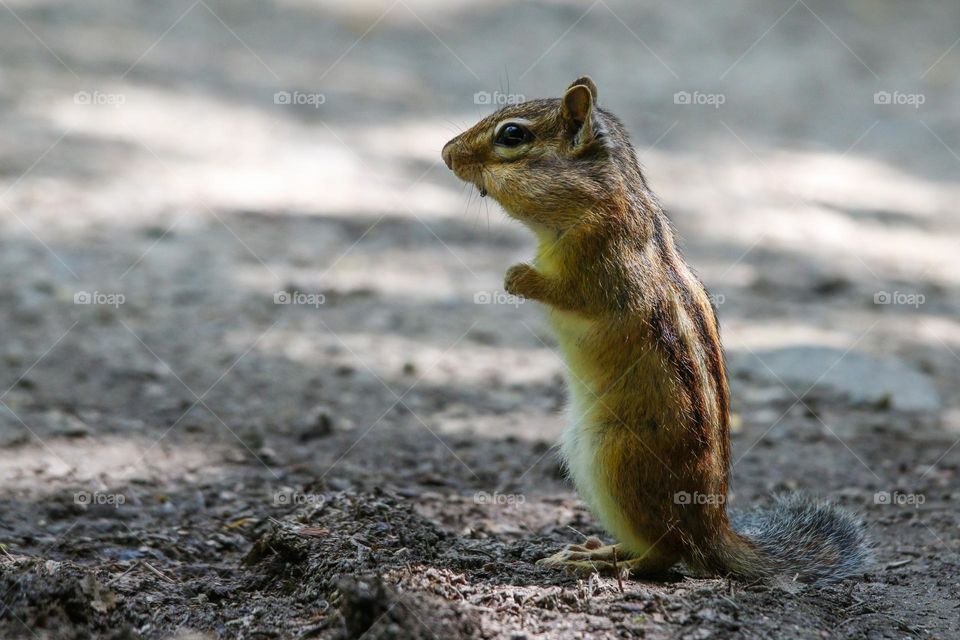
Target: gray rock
{"x":317,"y":423}
{"x":861,"y":378}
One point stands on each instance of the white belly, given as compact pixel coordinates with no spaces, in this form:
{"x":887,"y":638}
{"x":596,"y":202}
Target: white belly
{"x":579,"y":448}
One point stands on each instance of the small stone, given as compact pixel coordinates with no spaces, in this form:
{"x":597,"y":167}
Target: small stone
{"x":706,"y":615}
{"x":68,"y":425}
{"x":318,"y":423}
{"x":267,"y":455}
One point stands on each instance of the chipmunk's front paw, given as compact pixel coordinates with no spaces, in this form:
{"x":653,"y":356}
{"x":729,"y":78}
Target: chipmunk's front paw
{"x":520,"y":280}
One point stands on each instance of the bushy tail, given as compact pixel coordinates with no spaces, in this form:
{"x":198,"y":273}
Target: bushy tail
{"x":815,"y":541}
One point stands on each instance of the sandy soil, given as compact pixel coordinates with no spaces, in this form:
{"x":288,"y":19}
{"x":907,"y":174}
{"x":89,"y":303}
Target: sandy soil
{"x":184,"y":457}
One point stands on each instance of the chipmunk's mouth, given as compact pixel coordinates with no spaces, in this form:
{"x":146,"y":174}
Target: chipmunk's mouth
{"x":471,"y":172}
{"x":477,"y":180}
{"x":474,"y":175}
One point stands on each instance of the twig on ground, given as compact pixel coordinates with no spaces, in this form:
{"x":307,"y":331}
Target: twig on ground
{"x":898,"y":563}
{"x":158,"y":572}
{"x":616,"y":570}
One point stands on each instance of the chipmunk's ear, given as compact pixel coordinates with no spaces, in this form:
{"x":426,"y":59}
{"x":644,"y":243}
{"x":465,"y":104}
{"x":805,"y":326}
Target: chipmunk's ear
{"x":588,"y":83}
{"x":578,"y":106}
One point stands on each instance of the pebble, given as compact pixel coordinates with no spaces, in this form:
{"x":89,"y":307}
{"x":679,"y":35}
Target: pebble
{"x":318,"y":423}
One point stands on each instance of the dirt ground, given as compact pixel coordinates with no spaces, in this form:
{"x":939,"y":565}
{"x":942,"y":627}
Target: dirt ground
{"x":258,"y":378}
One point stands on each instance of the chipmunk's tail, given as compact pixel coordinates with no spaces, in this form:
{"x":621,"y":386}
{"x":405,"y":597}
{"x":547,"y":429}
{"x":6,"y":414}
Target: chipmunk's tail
{"x":797,"y":537}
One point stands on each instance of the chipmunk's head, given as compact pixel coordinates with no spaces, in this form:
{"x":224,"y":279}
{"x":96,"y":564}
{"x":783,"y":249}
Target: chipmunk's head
{"x":548,"y":162}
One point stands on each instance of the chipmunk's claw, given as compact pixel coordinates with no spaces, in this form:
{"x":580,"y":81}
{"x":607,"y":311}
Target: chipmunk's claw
{"x":584,"y":559}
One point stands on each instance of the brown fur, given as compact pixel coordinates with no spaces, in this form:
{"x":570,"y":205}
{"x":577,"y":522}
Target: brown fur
{"x":651,"y":355}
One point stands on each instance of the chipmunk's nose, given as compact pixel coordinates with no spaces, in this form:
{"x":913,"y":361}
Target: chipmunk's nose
{"x":447,"y":153}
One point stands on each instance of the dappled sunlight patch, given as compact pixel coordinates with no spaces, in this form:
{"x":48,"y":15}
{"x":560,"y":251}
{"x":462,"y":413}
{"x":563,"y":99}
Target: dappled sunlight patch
{"x":101,"y":461}
{"x":510,"y":512}
{"x":521,"y":415}
{"x":753,"y":333}
{"x":845,"y":208}
{"x":854,"y":182}
{"x":228,"y":154}
{"x":387,"y":355}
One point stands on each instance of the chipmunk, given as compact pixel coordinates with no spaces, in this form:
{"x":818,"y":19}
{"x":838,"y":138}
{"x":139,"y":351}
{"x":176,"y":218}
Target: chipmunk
{"x":648,"y":443}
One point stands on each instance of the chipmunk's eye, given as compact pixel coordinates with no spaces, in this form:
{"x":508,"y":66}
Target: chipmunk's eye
{"x":513,"y":134}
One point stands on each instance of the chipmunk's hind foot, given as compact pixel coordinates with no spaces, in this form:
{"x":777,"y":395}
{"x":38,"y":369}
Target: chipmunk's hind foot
{"x":587,"y":558}
{"x":612,"y":559}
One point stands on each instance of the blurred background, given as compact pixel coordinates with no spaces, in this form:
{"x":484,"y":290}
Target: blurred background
{"x":233,"y":263}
